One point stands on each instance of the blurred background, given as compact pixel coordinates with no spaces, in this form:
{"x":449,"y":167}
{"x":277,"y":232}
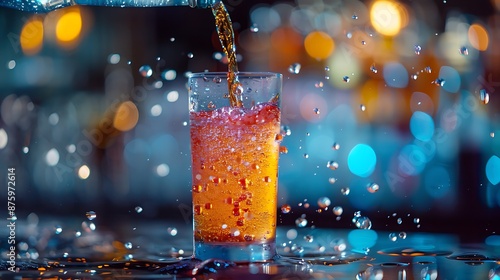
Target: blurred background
{"x":390,"y":108}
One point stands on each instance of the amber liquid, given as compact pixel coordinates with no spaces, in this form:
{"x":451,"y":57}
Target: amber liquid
{"x":235,"y":168}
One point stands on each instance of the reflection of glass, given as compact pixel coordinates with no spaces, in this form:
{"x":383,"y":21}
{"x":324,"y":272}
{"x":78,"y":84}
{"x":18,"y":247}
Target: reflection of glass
{"x":235,"y":166}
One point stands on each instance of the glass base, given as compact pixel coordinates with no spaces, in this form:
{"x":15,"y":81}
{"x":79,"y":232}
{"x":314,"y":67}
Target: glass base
{"x":235,"y":252}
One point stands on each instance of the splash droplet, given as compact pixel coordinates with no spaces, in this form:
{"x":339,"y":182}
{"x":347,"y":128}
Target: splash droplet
{"x":345,"y":191}
{"x":346,"y":79}
{"x":354,"y":16}
{"x":318,"y":85}
{"x":393,"y":237}
{"x":254,"y":28}
{"x":294,"y":68}
{"x":138,"y":209}
{"x":285,"y":208}
{"x":338,"y":210}
{"x":333,"y":165}
{"x":373,"y":187}
{"x":464,"y":50}
{"x":324,"y":202}
{"x":416,"y":220}
{"x":145,"y":71}
{"x":190,"y":55}
{"x":336,"y":146}
{"x":428,"y":69}
{"x":332,"y":180}
{"x":418,"y":49}
{"x":58,"y":229}
{"x":373,"y":69}
{"x":362,"y":107}
{"x":399,"y":221}
{"x":484,"y":96}
{"x":91,"y":215}
{"x":172,"y":231}
{"x":402,"y":235}
{"x":316,"y":111}
{"x":440,"y":82}
{"x":301,"y":222}
{"x":128,"y":245}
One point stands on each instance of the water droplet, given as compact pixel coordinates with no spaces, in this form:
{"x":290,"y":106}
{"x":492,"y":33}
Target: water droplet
{"x":11,"y":64}
{"x":345,"y":191}
{"x":399,"y":221}
{"x":190,"y":55}
{"x":338,"y":210}
{"x":327,"y":69}
{"x":58,"y":229}
{"x":138,"y":209}
{"x":354,"y":16}
{"x":332,"y":180}
{"x":484,"y":96}
{"x":294,"y":68}
{"x":464,"y":50}
{"x":346,"y":79}
{"x":286,"y":130}
{"x":254,"y":28}
{"x":336,"y":146}
{"x":414,"y":76}
{"x":402,"y":235}
{"x":217,"y":80}
{"x":393,"y":236}
{"x":145,"y":71}
{"x":362,"y":107}
{"x":316,"y":111}
{"x":373,"y":69}
{"x":428,"y":69}
{"x":373,"y":187}
{"x":114,"y":58}
{"x":211,"y":105}
{"x":324,"y":202}
{"x":318,"y":85}
{"x":363,"y":42}
{"x":306,"y":156}
{"x":285,"y":208}
{"x":78,"y":234}
{"x":308,"y":238}
{"x":440,"y":82}
{"x":301,"y":222}
{"x":362,"y":222}
{"x":26,"y":150}
{"x":338,"y":244}
{"x":333,"y":165}
{"x":418,"y":49}
{"x":492,"y":134}
{"x":416,"y":220}
{"x":348,"y":35}
{"x":128,"y":245}
{"x":91,"y":215}
{"x":172,"y":231}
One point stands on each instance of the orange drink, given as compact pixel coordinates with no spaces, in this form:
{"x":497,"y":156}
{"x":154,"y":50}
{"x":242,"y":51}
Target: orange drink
{"x":235,"y":166}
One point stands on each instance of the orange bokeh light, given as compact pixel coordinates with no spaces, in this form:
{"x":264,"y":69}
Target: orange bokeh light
{"x":31,"y":38}
{"x":319,"y":45}
{"x":478,"y":37}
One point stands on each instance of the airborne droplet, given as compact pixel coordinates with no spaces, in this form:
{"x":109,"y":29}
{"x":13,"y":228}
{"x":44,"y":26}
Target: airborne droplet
{"x":464,"y":50}
{"x":345,"y":191}
{"x":346,"y":79}
{"x":145,"y":71}
{"x":285,"y":209}
{"x":138,"y":209}
{"x":332,"y":165}
{"x":324,"y":202}
{"x":484,"y":96}
{"x":338,"y":210}
{"x":91,"y":215}
{"x":373,"y":187}
{"x":294,"y":68}
{"x":301,"y":222}
{"x":418,"y":49}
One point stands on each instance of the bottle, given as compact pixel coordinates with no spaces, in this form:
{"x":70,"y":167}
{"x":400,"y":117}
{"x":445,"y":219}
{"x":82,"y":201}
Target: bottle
{"x":45,"y":6}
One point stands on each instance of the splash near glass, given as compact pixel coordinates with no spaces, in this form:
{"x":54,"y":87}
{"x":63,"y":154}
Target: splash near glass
{"x":234,"y":153}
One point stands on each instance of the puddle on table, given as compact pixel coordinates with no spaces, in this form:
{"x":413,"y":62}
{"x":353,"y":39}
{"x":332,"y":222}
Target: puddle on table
{"x":148,"y":251}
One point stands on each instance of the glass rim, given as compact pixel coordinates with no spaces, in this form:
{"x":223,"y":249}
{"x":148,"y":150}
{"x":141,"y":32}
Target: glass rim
{"x":257,"y":74}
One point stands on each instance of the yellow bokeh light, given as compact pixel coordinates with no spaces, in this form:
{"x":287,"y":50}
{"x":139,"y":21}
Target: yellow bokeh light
{"x":31,"y":38}
{"x":126,"y":116}
{"x":83,"y":172}
{"x":478,"y":37}
{"x":69,"y":26}
{"x":319,"y":45}
{"x":386,"y":17}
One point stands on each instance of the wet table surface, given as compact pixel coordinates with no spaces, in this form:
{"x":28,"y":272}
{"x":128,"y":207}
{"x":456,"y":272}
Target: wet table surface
{"x":155,"y":251}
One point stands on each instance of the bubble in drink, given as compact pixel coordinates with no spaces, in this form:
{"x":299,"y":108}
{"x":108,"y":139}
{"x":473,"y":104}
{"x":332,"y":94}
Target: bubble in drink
{"x":301,"y":222}
{"x":338,"y":210}
{"x":294,"y":68}
{"x":346,"y":79}
{"x":373,"y":187}
{"x":138,"y":209}
{"x":464,"y":50}
{"x":324,"y":202}
{"x":345,"y":191}
{"x":286,"y":208}
{"x":91,"y":215}
{"x":418,"y":49}
{"x":145,"y":71}
{"x":484,"y":96}
{"x":128,"y":245}
{"x":333,"y":165}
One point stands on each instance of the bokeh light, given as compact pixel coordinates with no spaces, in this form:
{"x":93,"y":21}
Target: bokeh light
{"x":386,"y":17}
{"x":126,"y":116}
{"x":83,"y":172}
{"x":31,"y":38}
{"x":4,"y":139}
{"x":362,"y":160}
{"x":422,"y":126}
{"x":319,"y":45}
{"x":69,"y":26}
{"x":478,"y":37}
{"x":493,"y":170}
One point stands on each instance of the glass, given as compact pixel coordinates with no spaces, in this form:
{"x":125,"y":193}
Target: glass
{"x":234,"y":157}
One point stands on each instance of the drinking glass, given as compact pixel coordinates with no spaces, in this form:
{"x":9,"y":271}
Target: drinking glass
{"x":234,"y":164}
